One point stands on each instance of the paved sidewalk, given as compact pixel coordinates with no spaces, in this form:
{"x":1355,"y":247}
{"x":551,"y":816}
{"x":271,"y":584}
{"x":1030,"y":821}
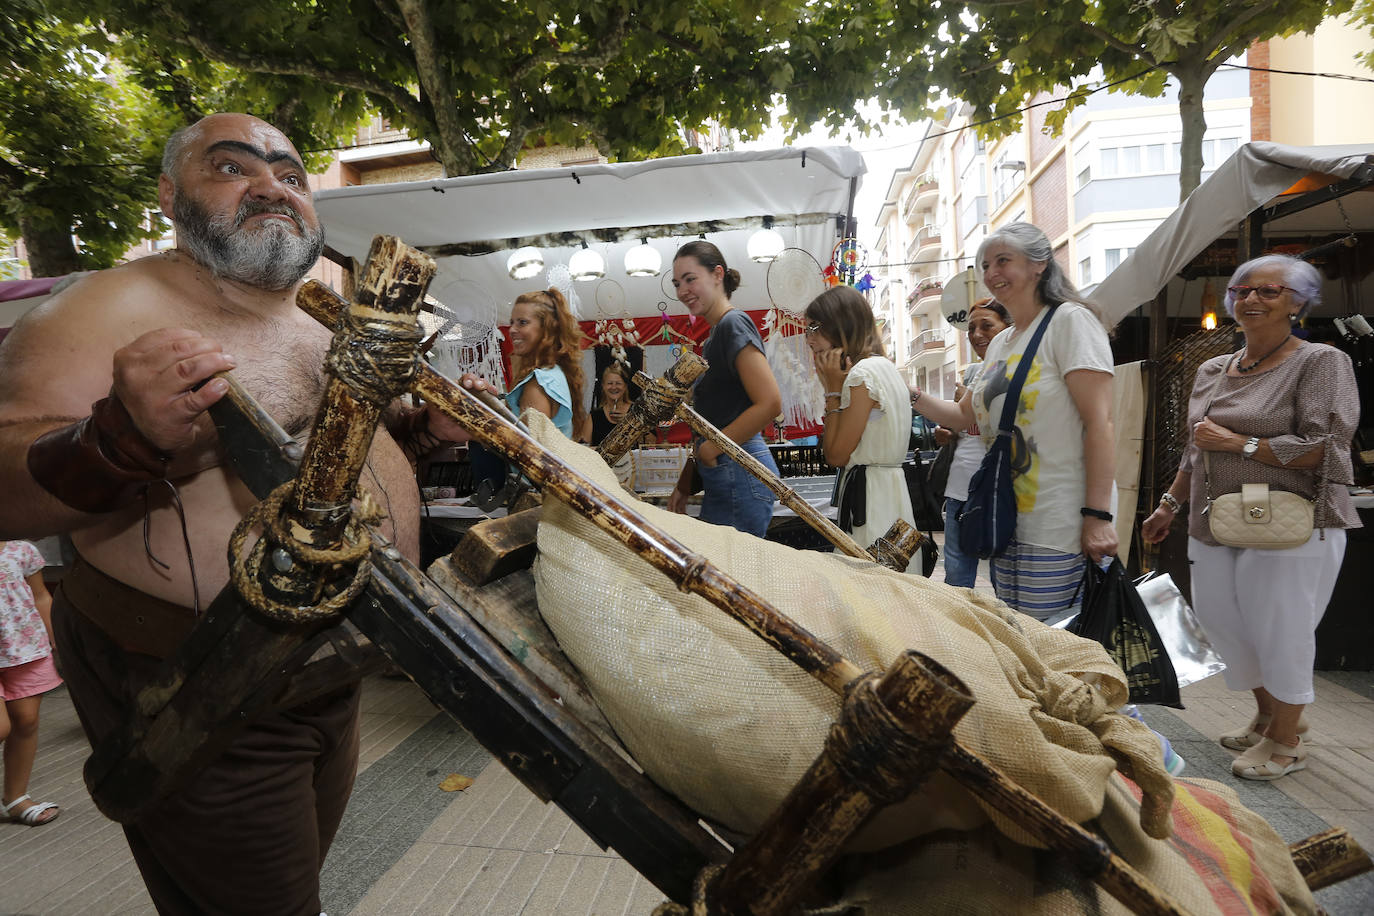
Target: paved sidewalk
{"x":407,"y":847}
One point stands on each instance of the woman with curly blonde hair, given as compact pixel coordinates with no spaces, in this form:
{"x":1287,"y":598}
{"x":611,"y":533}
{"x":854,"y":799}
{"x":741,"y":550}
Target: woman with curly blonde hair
{"x":546,"y":359}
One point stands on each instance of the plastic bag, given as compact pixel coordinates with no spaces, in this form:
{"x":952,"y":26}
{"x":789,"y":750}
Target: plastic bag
{"x":1114,"y":616}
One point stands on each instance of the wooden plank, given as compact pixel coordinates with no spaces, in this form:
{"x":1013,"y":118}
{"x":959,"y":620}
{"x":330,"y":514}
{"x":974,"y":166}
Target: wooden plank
{"x":497,"y":547}
{"x":507,"y":610}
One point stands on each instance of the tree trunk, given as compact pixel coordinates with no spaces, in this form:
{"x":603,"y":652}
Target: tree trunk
{"x":1192,"y":79}
{"x":51,"y":252}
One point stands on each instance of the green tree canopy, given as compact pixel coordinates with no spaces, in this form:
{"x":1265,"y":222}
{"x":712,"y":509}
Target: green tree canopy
{"x":995,"y":54}
{"x":74,"y":153}
{"x":483,"y":79}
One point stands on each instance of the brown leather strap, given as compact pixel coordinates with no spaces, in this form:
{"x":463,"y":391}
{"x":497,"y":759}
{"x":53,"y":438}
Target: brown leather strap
{"x":134,"y":621}
{"x":97,"y":464}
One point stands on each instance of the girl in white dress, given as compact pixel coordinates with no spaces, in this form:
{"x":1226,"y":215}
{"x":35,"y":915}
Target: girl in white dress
{"x":867,"y":414}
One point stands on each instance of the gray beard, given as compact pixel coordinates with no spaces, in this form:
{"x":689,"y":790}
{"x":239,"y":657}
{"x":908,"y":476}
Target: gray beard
{"x":269,"y":257}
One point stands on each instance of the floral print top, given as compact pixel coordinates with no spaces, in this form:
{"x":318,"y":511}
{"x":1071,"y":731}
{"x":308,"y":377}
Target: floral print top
{"x":23,"y":638}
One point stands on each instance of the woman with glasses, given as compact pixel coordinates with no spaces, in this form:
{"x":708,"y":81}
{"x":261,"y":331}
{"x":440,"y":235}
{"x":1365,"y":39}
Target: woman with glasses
{"x":867,"y":414}
{"x":1281,"y":412}
{"x":1063,"y":453}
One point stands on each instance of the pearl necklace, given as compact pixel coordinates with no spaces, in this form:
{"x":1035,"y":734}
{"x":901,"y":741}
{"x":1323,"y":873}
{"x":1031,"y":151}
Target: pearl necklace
{"x":1241,"y":367}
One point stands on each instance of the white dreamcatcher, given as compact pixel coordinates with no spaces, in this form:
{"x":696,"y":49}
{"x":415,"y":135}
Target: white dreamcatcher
{"x":560,"y":278}
{"x":463,"y":331}
{"x":803,"y":398}
{"x":794,"y":279}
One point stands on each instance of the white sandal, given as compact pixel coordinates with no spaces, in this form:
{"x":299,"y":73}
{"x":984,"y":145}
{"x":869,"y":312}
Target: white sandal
{"x":1256,"y":764}
{"x":30,"y":816}
{"x":1248,"y":737}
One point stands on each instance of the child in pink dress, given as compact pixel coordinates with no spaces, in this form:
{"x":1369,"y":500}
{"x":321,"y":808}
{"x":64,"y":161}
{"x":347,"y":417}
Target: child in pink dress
{"x":26,"y":673}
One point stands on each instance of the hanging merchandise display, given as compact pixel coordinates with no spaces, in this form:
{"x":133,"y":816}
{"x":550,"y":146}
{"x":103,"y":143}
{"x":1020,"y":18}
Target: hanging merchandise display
{"x":610,"y":299}
{"x":803,"y":397}
{"x":849,"y":258}
{"x":466,"y":337}
{"x":794,"y":279}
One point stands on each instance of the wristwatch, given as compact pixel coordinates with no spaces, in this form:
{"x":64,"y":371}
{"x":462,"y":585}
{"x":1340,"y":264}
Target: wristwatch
{"x":1250,"y":447}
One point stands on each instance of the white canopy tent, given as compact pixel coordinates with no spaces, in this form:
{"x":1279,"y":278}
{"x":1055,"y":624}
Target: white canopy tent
{"x":1253,"y":177}
{"x":611,"y":207}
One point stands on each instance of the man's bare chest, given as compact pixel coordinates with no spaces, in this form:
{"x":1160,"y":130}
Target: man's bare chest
{"x":281,"y":366}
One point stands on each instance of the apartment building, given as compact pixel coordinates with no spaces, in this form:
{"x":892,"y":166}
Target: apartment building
{"x":1098,"y":189}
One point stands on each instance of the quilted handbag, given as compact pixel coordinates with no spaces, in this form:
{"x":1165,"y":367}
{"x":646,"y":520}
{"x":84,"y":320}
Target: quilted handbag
{"x":1257,"y":516}
{"x":1260,"y":517}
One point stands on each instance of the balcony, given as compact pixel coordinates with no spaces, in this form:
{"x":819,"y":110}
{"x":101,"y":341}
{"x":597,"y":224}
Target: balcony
{"x":926,"y":245}
{"x":927,"y":291}
{"x":932,"y":341}
{"x":923,"y":194}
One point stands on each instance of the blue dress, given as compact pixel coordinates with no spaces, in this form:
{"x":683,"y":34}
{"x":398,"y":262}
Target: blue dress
{"x":555,"y":385}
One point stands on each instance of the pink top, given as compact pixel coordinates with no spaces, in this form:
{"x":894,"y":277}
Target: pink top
{"x":23,"y":638}
{"x":1309,"y":398}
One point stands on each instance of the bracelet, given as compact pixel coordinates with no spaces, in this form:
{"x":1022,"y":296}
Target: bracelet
{"x":834,"y":410}
{"x":1087,"y":512}
{"x":916,"y":397}
{"x":832,"y":394}
{"x":1168,"y":499}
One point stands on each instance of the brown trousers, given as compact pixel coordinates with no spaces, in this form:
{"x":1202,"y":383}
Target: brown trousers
{"x":250,"y":834}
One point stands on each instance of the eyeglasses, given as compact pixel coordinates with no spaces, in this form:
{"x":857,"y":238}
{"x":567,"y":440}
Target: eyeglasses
{"x":1267,"y":293}
{"x":813,"y":328}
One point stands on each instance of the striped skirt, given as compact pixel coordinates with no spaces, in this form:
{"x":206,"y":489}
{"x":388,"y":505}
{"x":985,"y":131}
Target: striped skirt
{"x":1038,"y":581}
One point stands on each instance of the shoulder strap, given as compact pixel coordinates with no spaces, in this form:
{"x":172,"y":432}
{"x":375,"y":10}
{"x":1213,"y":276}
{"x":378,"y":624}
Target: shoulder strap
{"x":1013,"y":396}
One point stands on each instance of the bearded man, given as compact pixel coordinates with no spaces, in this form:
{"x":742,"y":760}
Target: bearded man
{"x":103,"y":429}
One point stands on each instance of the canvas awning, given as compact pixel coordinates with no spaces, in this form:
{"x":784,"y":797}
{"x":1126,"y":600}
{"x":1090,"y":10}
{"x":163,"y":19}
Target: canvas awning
{"x":806,"y":190}
{"x":1253,"y":177}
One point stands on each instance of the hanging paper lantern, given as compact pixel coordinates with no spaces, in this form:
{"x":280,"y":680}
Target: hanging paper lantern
{"x":865,"y":284}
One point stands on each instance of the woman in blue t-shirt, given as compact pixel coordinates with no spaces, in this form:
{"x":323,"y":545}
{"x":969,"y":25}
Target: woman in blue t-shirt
{"x":546,"y":359}
{"x":737,"y":394}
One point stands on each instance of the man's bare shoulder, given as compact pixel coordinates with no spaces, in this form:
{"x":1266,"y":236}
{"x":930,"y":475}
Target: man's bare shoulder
{"x":67,"y":343}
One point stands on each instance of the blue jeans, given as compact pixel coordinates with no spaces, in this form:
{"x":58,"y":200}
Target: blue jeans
{"x":736,"y":498}
{"x":960,"y":568}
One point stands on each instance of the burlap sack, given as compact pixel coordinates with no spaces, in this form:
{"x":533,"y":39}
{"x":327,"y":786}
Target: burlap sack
{"x":729,"y":725}
{"x":1223,"y":859}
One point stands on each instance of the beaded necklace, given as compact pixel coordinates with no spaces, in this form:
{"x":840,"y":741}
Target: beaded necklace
{"x":1241,"y":367}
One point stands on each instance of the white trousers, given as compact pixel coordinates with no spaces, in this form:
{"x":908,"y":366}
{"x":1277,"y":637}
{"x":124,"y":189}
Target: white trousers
{"x":1261,"y":608}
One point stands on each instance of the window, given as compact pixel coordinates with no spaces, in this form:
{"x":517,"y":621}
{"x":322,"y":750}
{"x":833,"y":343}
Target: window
{"x":1085,"y":271}
{"x":1085,"y":176}
{"x":1114,"y":257}
{"x":168,"y":238}
{"x":1217,"y":151}
{"x":1155,"y":158}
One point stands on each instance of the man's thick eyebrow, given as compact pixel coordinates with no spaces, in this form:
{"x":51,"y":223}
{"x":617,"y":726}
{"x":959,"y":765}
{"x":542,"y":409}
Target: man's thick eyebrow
{"x":266,"y":156}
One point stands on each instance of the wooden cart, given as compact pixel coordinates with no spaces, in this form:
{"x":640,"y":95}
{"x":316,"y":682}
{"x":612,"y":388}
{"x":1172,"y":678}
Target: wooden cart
{"x":456,"y":642}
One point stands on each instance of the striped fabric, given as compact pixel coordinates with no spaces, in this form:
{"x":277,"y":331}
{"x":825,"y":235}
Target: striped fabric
{"x":1038,"y":581}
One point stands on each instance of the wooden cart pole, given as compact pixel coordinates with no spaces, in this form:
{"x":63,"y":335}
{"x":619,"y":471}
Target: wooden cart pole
{"x":898,"y":534}
{"x":888,"y":741}
{"x":694,"y":573}
{"x":657,"y":403}
{"x":691,"y":571}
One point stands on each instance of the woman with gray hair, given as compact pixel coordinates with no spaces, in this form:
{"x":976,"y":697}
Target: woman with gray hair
{"x":1063,"y":447}
{"x":1281,"y":412}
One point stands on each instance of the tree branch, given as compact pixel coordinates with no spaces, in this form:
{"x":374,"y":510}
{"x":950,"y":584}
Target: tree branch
{"x":352,"y":79}
{"x":1245,"y":13}
{"x":607,"y":49}
{"x":455,"y":149}
{"x":1122,"y":46}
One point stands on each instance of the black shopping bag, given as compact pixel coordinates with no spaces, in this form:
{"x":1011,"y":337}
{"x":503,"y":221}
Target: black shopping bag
{"x":1114,"y":616}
